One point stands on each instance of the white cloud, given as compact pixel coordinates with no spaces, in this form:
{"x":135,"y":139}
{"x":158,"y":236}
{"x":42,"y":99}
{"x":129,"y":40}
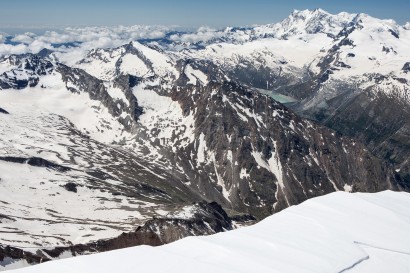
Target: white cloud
{"x":88,"y":37}
{"x":203,"y":34}
{"x":13,"y":49}
{"x":38,"y":45}
{"x":71,"y":56}
{"x":25,"y":38}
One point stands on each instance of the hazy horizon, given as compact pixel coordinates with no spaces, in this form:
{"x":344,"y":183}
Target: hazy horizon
{"x":43,"y":15}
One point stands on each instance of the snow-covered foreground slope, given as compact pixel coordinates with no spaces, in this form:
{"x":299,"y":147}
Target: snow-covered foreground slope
{"x":339,"y":232}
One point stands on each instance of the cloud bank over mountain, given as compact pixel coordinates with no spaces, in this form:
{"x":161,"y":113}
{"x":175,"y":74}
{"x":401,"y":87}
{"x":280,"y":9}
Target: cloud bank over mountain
{"x":78,"y":40}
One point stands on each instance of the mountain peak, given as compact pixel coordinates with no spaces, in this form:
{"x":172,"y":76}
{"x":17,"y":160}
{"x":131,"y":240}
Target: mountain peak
{"x":314,"y":21}
{"x":375,"y":24}
{"x":308,"y":11}
{"x":319,"y":10}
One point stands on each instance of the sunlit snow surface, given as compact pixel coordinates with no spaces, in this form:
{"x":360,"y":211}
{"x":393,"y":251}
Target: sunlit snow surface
{"x":74,"y":131}
{"x":339,"y":232}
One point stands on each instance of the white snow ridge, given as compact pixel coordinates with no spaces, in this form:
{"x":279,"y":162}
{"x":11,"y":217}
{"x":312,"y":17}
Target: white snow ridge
{"x":340,"y":232}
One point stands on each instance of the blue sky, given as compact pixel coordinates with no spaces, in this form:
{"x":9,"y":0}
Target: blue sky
{"x":187,"y":13}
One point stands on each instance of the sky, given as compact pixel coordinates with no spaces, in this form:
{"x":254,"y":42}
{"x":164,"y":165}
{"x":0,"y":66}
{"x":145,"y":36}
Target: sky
{"x":186,"y":13}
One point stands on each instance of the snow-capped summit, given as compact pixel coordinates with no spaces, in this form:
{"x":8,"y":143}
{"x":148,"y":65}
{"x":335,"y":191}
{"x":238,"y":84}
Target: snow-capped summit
{"x":373,"y":24}
{"x":312,"y":22}
{"x":133,"y":58}
{"x":297,"y":23}
{"x":20,"y":71}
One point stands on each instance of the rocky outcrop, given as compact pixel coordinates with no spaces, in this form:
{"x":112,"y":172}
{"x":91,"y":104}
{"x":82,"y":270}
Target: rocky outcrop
{"x":259,"y":157}
{"x":36,"y":161}
{"x":27,"y":70}
{"x":10,"y":255}
{"x":207,"y":218}
{"x":406,"y":67}
{"x":376,"y":114}
{"x":78,"y":80}
{"x":382,"y":123}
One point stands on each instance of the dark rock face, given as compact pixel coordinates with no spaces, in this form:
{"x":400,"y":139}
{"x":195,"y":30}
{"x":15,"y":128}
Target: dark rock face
{"x":13,"y":253}
{"x":394,"y":34}
{"x":79,"y":81}
{"x":44,"y":53}
{"x":71,"y":187}
{"x":382,"y":124}
{"x":378,"y":119}
{"x":2,"y":111}
{"x":325,"y":76}
{"x":126,"y":83}
{"x":36,"y":161}
{"x":406,"y":67}
{"x":310,"y":160}
{"x":33,"y":65}
{"x":5,"y":217}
